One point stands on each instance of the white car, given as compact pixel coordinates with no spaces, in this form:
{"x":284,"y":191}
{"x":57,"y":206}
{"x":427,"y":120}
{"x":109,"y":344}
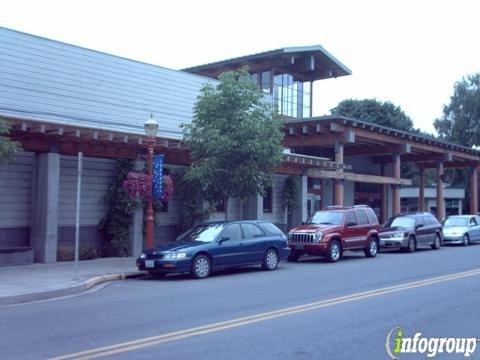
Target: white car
{"x":461,"y":229}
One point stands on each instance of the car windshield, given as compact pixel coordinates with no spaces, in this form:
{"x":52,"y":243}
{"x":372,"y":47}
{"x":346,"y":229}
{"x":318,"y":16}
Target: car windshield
{"x":204,"y":233}
{"x":326,"y":218}
{"x":456,"y":221}
{"x":402,"y":222}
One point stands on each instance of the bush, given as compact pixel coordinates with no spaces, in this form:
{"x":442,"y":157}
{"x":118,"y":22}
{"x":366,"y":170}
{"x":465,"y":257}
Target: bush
{"x":67,"y":253}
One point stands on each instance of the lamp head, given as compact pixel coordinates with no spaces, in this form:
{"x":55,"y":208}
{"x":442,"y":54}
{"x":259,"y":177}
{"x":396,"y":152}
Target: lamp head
{"x":151,"y":127}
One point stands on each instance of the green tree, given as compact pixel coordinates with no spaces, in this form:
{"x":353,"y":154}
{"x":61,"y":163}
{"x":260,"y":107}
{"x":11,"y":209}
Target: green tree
{"x":7,"y":146}
{"x":460,"y":122}
{"x":235,"y":139}
{"x":374,"y":111}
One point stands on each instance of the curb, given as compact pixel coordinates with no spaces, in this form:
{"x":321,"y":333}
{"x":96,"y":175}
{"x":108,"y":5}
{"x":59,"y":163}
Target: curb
{"x":70,"y":290}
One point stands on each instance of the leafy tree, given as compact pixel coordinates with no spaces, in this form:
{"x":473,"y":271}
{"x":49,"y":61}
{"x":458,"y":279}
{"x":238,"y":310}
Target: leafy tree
{"x":7,"y":146}
{"x":460,"y":122}
{"x":235,"y":139}
{"x":374,"y":111}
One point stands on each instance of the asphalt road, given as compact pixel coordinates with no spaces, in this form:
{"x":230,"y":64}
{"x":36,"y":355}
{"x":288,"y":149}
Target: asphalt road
{"x":307,"y":310}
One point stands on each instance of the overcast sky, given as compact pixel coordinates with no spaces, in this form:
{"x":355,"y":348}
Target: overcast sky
{"x":408,"y":52}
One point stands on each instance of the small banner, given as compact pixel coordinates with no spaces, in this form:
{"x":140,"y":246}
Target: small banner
{"x":157,"y":176}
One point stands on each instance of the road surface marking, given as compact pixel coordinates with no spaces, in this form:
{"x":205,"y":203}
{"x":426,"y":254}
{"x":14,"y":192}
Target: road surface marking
{"x":224,"y":325}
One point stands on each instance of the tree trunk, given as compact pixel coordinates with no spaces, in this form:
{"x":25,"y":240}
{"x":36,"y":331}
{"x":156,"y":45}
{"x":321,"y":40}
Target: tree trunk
{"x":226,"y":208}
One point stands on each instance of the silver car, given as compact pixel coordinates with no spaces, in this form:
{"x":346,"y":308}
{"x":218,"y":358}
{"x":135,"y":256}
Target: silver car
{"x":461,"y":229}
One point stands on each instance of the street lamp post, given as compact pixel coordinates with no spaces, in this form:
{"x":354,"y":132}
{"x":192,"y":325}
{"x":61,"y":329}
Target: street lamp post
{"x":151,"y":127}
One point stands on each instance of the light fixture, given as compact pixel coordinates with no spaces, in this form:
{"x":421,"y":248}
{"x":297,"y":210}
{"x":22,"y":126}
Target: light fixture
{"x":151,"y":127}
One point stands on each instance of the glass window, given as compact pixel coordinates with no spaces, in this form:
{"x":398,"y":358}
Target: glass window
{"x":327,"y":218}
{"x":233,"y":232}
{"x":350,"y":218}
{"x":456,"y":221}
{"x":271,"y":228}
{"x":372,"y":217}
{"x":362,"y":217}
{"x":402,"y":222}
{"x":254,"y":78}
{"x":268,"y":201}
{"x":252,"y":231}
{"x":266,"y":81}
{"x":203,"y":233}
{"x":473,"y":221}
{"x":419,"y":221}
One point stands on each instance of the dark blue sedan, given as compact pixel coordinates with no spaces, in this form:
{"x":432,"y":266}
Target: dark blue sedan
{"x":218,"y":245}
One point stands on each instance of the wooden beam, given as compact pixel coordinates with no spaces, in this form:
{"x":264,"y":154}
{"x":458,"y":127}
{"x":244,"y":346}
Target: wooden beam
{"x":347,"y":137}
{"x":452,"y":164}
{"x":417,"y":158}
{"x":372,"y":179}
{"x":376,"y":150}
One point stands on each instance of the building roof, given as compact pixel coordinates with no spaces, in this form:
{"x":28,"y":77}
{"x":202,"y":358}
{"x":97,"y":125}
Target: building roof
{"x":294,"y":60}
{"x":385,"y":135}
{"x":53,"y":82}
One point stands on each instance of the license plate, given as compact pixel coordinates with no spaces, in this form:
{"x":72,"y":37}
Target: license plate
{"x":149,"y":263}
{"x":299,"y":246}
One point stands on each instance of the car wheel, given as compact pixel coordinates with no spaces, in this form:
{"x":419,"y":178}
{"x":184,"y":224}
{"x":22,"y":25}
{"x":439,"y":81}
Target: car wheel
{"x":437,"y":242}
{"x":466,"y":240}
{"x":293,"y":257}
{"x":270,"y":260}
{"x":334,"y":251}
{"x":201,"y":267}
{"x":372,"y":249}
{"x":412,"y":245}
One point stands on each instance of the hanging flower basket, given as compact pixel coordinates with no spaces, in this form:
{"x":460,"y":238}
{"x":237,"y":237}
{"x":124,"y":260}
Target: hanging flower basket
{"x":137,"y":186}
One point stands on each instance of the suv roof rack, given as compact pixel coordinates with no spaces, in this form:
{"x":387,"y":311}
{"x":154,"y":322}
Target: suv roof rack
{"x":360,"y":206}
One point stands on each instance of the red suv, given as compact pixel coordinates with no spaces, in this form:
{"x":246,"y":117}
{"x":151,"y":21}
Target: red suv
{"x":330,"y":232}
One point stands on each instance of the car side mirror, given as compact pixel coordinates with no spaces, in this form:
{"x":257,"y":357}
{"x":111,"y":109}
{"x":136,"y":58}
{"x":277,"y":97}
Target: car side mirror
{"x":351,"y":223}
{"x":223,"y":238}
{"x":418,"y":226}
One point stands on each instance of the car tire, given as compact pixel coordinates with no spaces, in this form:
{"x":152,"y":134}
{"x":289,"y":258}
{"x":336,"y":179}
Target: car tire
{"x":201,"y":267}
{"x":412,"y":245}
{"x":372,"y":249}
{"x":334,"y":251}
{"x":293,"y":257}
{"x":270,"y":260}
{"x":437,"y":242}
{"x":466,"y":240}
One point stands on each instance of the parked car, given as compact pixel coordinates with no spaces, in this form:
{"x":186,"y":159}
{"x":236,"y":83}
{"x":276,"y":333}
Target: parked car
{"x":411,"y":230}
{"x":218,"y":245}
{"x":330,"y":232}
{"x":461,"y":229}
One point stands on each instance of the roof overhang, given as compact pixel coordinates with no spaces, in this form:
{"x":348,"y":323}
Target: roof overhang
{"x":306,"y":63}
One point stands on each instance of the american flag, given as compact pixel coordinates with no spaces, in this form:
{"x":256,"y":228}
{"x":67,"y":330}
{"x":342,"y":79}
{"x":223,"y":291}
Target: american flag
{"x":157,"y":176}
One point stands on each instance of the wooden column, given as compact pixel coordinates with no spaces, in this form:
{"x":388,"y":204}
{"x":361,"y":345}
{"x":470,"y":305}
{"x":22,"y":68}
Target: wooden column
{"x":440,"y":198}
{"x":421,"y":189}
{"x":339,"y":183}
{"x":384,"y":208}
{"x":396,"y":188}
{"x":474,"y":191}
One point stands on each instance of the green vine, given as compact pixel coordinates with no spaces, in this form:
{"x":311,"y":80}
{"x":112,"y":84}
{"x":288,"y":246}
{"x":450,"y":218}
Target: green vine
{"x":290,"y":193}
{"x":193,"y":206}
{"x":115,"y":225}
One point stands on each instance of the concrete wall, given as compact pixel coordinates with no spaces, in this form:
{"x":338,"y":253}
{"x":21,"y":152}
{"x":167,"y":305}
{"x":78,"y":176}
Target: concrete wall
{"x":97,"y":176}
{"x":17,"y":179}
{"x":278,"y":216}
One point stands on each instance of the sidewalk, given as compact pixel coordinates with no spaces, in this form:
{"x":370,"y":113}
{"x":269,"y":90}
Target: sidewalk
{"x":25,"y":283}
